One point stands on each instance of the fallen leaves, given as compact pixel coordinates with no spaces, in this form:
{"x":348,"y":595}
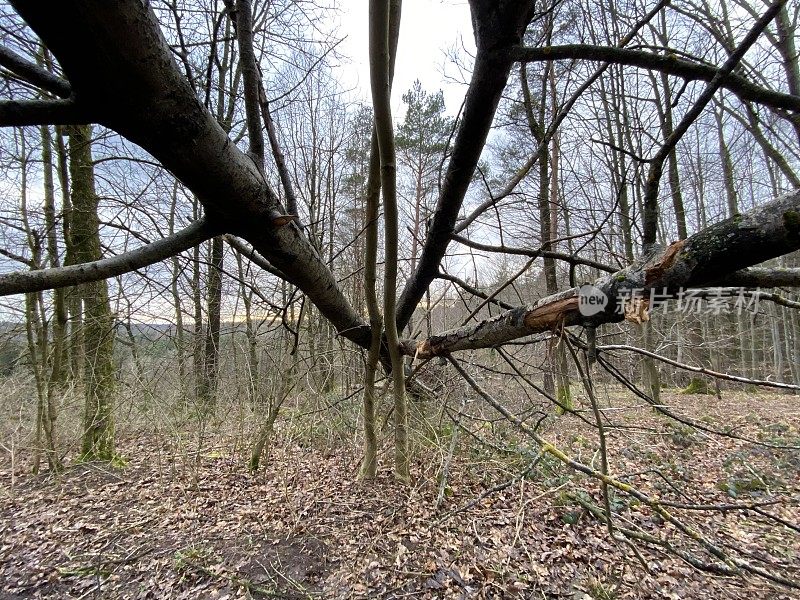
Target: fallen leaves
{"x":304,"y":528}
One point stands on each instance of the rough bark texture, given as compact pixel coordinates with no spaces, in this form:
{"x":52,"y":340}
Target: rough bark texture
{"x":98,"y":322}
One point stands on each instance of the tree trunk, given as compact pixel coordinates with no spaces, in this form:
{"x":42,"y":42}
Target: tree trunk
{"x":197,"y":332}
{"x":180,"y":344}
{"x":57,"y":352}
{"x":98,"y":322}
{"x":208,"y":390}
{"x":369,"y":466}
{"x":715,"y":256}
{"x":380,"y":52}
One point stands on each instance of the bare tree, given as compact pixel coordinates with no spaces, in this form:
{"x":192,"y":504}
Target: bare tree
{"x":201,"y":116}
{"x":120,"y":72}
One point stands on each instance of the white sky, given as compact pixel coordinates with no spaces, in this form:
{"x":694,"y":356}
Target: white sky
{"x":429,"y":30}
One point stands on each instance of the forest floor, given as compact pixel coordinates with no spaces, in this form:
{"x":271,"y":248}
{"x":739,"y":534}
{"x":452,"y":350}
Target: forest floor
{"x":303,"y":527}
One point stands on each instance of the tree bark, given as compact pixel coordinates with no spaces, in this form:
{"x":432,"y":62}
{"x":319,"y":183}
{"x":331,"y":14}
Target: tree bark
{"x":59,"y":328}
{"x":380,"y":69}
{"x":98,"y":322}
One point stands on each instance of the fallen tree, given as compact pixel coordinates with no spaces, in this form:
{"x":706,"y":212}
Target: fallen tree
{"x":122,"y":74}
{"x":717,"y":255}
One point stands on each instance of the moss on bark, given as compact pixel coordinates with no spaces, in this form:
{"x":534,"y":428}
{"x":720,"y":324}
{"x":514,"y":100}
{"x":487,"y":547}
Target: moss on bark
{"x":697,"y":386}
{"x":98,"y":321}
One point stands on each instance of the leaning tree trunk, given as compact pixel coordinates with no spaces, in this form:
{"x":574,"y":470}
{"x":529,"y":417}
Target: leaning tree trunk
{"x":98,"y":322}
{"x":716,"y":256}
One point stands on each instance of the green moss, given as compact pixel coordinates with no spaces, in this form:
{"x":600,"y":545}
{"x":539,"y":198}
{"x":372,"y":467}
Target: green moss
{"x":118,"y":461}
{"x":735,"y":487}
{"x":791,"y":220}
{"x":602,"y":591}
{"x":564,"y":397}
{"x":194,"y":557}
{"x":571,"y":517}
{"x":696,"y":386}
{"x":115,"y":460}
{"x":83,"y":571}
{"x":682,"y":436}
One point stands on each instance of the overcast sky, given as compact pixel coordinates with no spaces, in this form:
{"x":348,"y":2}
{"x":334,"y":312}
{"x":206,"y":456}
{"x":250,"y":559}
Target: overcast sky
{"x":429,"y":30}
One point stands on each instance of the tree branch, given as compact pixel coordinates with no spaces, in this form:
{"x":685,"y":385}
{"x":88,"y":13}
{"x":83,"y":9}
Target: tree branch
{"x":763,"y":277}
{"x":534,"y":253}
{"x":492,"y":200}
{"x":450,"y":198}
{"x":254,"y":257}
{"x":664,"y":63}
{"x":499,"y":25}
{"x":768,"y":231}
{"x":120,"y":65}
{"x":58,"y":277}
{"x":242,"y":16}
{"x":34,"y":74}
{"x":473,"y":290}
{"x":702,"y":370}
{"x":650,"y":201}
{"x":17,"y":113}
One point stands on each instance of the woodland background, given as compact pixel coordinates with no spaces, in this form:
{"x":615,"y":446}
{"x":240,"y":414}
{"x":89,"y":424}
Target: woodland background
{"x":198,"y":425}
